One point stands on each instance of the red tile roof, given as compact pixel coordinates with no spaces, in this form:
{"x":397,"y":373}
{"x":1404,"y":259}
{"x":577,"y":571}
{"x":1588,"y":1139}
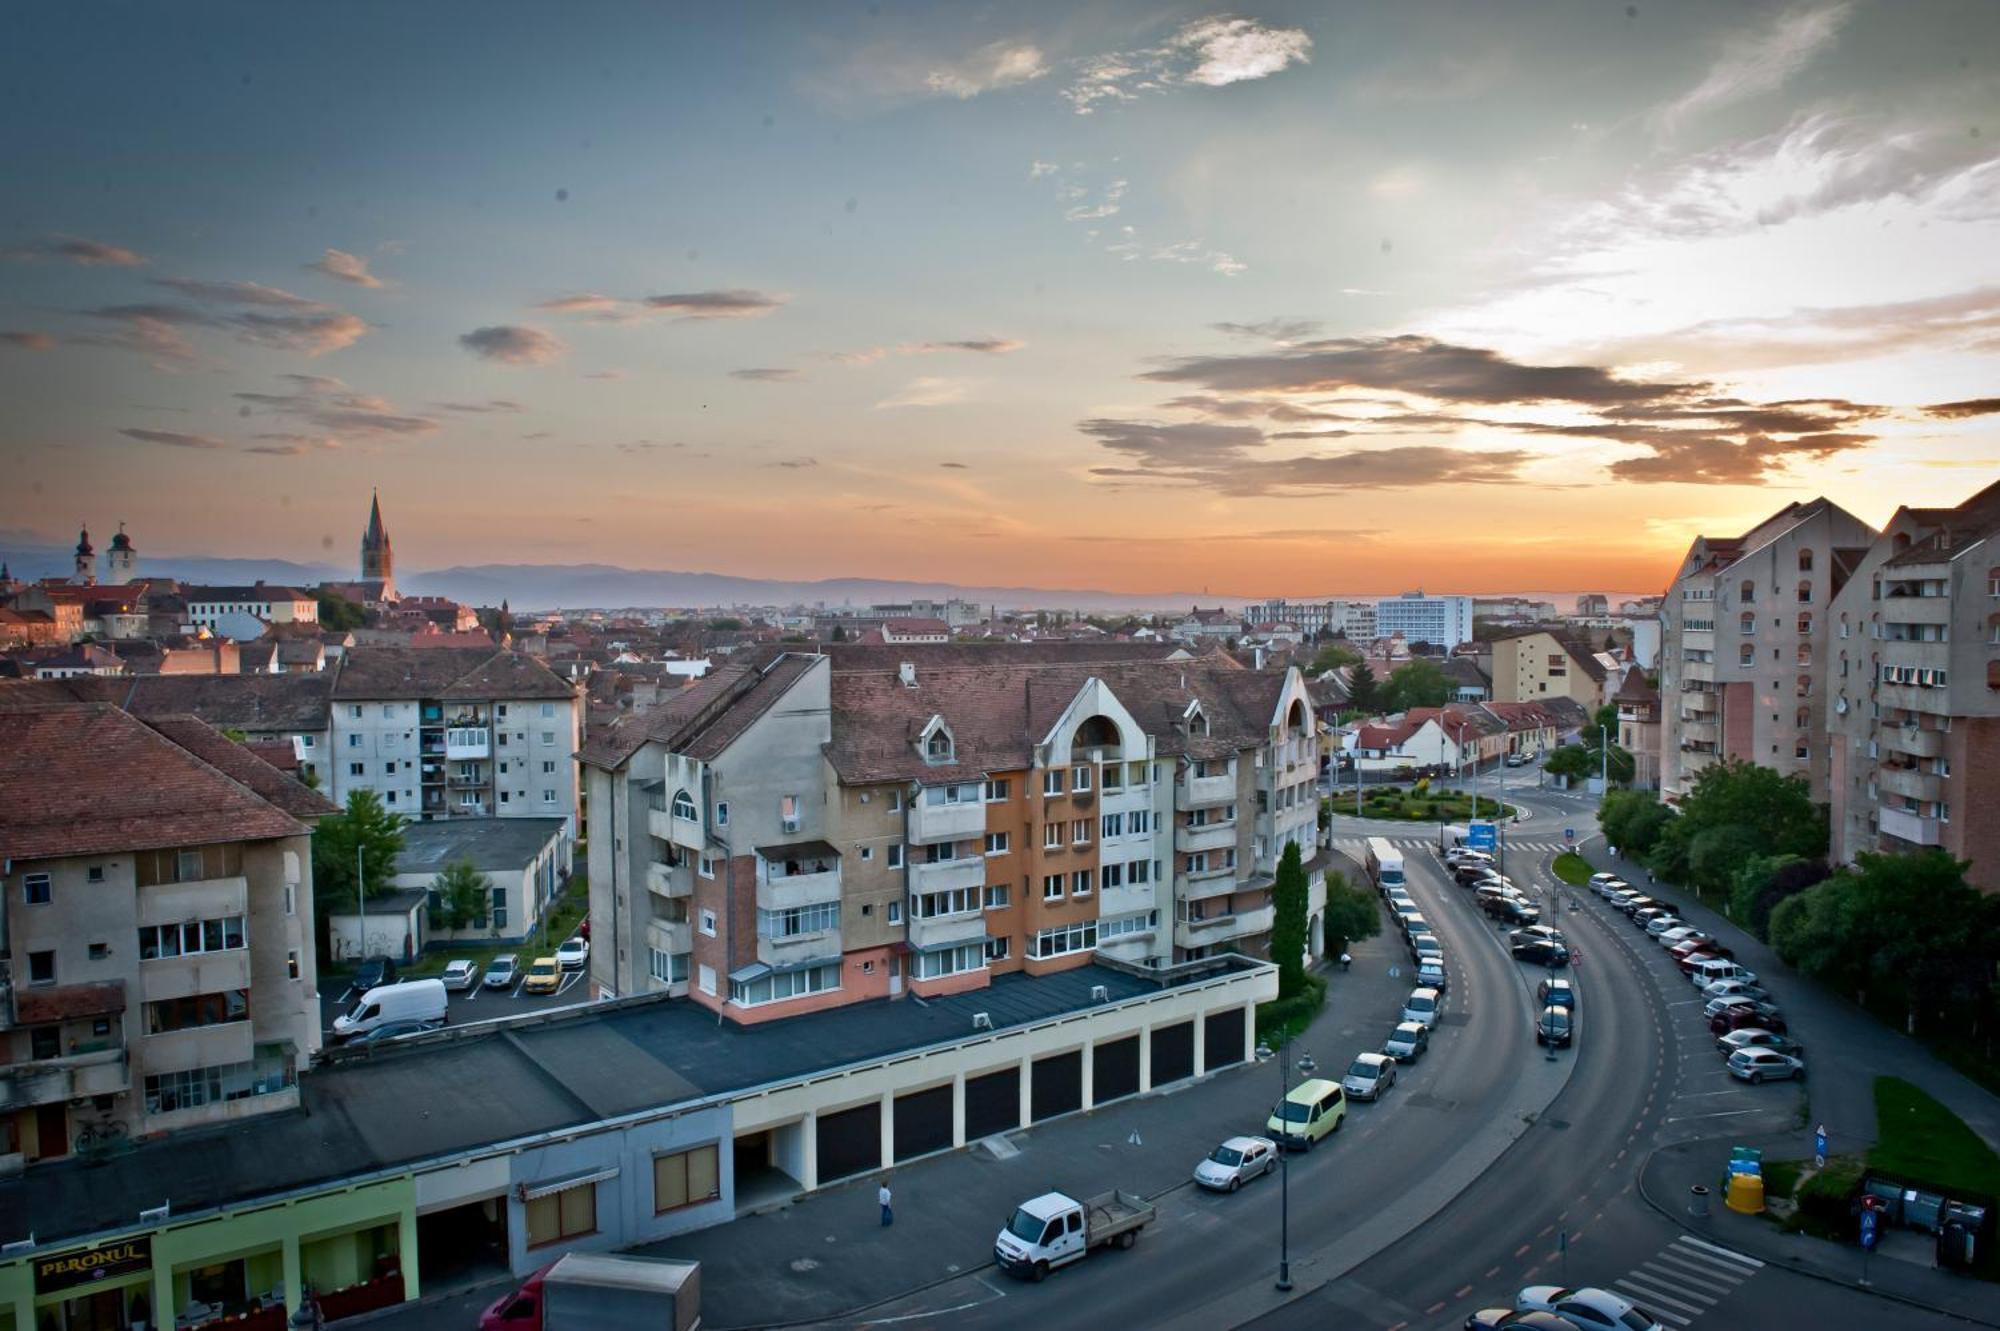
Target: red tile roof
{"x":65,"y":1002}
{"x":245,"y":766}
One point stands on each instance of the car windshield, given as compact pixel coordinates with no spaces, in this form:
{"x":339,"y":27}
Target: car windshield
{"x":1638,"y":1319}
{"x":1026,"y":1227}
{"x":1294,"y":1112}
{"x":1365,"y":1070}
{"x":1226,"y":1155}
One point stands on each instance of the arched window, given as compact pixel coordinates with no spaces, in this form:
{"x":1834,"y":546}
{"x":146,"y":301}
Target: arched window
{"x":1804,"y":718}
{"x":1747,"y":622}
{"x":1747,"y":655}
{"x":1805,"y":653}
{"x":1805,"y":561}
{"x":1295,"y":719}
{"x":1747,"y":592}
{"x":938,"y":745}
{"x":683,"y":804}
{"x":1805,"y":626}
{"x":1805,"y":591}
{"x":1805,"y":686}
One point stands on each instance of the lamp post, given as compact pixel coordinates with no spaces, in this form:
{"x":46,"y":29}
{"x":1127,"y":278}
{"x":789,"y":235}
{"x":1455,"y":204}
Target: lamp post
{"x":1306,"y":1066}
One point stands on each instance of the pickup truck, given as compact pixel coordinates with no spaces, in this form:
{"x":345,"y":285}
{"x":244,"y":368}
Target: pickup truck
{"x":1055,"y":1229}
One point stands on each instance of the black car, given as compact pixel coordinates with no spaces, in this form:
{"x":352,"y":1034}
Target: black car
{"x":1553,"y":1026}
{"x":397,"y":1030}
{"x":1539,"y":951}
{"x":370,"y":974}
{"x":1513,"y":911}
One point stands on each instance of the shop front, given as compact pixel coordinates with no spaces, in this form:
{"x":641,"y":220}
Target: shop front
{"x":106,"y":1288}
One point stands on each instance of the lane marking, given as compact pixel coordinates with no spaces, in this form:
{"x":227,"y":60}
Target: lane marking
{"x":1688,"y":1267}
{"x":1521,"y":1250}
{"x":1729,"y":1253}
{"x":1646,"y":1293}
{"x":1462,"y":1291}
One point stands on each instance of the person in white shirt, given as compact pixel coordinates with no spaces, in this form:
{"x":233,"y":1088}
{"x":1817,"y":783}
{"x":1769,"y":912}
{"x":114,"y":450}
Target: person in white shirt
{"x":882,"y":1196}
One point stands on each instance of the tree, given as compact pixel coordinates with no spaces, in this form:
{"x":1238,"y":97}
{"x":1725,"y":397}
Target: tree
{"x":1763,"y":881}
{"x":367,"y":825}
{"x":1332,"y":657}
{"x":460,"y":896}
{"x":1288,"y":924}
{"x":1571,"y":760}
{"x":1632,"y":820}
{"x":1603,"y":721}
{"x":839,"y":634}
{"x":1418,"y":684}
{"x":1778,"y":812}
{"x":1351,"y":913}
{"x":725,"y":625}
{"x":341,"y":614}
{"x":1363,"y":691}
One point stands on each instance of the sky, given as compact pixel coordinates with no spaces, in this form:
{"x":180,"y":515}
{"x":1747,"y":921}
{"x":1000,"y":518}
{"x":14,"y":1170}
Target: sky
{"x":1285,"y":299}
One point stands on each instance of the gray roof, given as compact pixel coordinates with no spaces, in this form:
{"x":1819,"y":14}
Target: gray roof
{"x":474,"y":1086}
{"x":490,"y":843}
{"x":400,"y":902}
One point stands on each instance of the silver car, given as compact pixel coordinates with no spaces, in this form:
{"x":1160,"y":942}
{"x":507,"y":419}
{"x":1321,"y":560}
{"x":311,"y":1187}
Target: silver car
{"x":502,"y":971}
{"x":1236,"y":1160}
{"x":1369,"y":1076}
{"x":460,"y":976}
{"x":1755,"y":1065}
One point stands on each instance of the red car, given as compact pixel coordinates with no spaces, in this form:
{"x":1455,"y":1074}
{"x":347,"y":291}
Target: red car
{"x":1762,"y":1016}
{"x":519,"y":1311}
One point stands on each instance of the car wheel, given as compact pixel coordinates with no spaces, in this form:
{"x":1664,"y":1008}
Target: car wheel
{"x":1235,"y":1183}
{"x":1756,"y":1078}
{"x":1040,"y":1273}
{"x":1337,"y":1122}
{"x":1128,"y":1238}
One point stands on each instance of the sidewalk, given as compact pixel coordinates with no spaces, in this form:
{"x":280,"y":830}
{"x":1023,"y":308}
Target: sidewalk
{"x":1671,"y":1171}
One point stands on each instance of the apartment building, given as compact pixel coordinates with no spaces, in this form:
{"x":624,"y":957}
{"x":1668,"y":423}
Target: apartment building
{"x":1745,"y":638}
{"x":1353,"y":620}
{"x":1533,"y":665}
{"x":1914,"y":725}
{"x":799,"y":831}
{"x":453,"y":732}
{"x":158,"y":965}
{"x":1638,"y":704}
{"x":1442,"y":621}
{"x":241,"y":612}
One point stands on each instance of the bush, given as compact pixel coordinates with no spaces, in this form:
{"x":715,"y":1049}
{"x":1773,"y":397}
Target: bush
{"x":1284,"y":1018}
{"x":1826,"y":1200}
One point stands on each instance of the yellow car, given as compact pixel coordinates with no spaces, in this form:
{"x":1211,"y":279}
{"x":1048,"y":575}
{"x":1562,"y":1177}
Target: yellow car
{"x":544,"y":977}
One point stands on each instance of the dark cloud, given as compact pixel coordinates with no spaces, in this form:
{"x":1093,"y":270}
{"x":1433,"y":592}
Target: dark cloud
{"x":491,"y":405}
{"x":76,"y":250}
{"x":513,"y":344}
{"x":1224,"y":458}
{"x":1708,"y":460}
{"x":174,"y":439}
{"x":954,"y":466}
{"x":27,"y":341}
{"x":1976,"y":406}
{"x":984,"y":346}
{"x":236,"y":293}
{"x":766,"y":375}
{"x":250,"y":312}
{"x":735,"y":303}
{"x":280,"y":444}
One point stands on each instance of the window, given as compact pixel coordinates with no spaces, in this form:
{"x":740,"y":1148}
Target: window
{"x":997,"y":948}
{"x":548,"y":709}
{"x":1805,"y":561}
{"x":354,"y":741}
{"x":895,"y":855}
{"x":958,"y":901}
{"x":705,"y":978}
{"x":950,"y":961}
{"x":791,"y":984}
{"x":41,"y":968}
{"x":292,"y":964}
{"x":996,"y":896}
{"x":291,"y":899}
{"x":1118,"y":926}
{"x":895,"y":801}
{"x":1064,"y":939}
{"x":1052,"y":781}
{"x":389,"y":769}
{"x":1747,"y":655}
{"x":568,"y":1214}
{"x":1140,"y":821}
{"x":996,"y":791}
{"x":548,"y":795}
{"x":548,"y":766}
{"x":1138,"y":871}
{"x":1052,"y":887}
{"x":1114,"y":776}
{"x":1747,"y":622}
{"x":94,"y":874}
{"x":201,"y":1086}
{"x":1110,"y":876}
{"x":357,"y":769}
{"x":894,"y":913}
{"x":1080,"y":779}
{"x":996,"y":843}
{"x":1079,"y":883}
{"x":666,"y":967}
{"x":938,"y":745}
{"x":722,"y":813}
{"x":1112,"y":824}
{"x":798,"y":921}
{"x":708,"y":923}
{"x":1079,"y":831}
{"x":191,"y":937}
{"x":867,"y":854}
{"x":35,"y":889}
{"x":100,"y":951}
{"x":705,"y":867}
{"x":390,"y":797}
{"x":197,"y":1010}
{"x":1747,"y":592}
{"x":1052,"y":835}
{"x":499,"y":908}
{"x":686,"y":1178}
{"x":683,"y":804}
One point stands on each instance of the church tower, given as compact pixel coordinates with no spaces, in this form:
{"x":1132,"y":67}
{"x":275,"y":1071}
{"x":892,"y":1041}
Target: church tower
{"x":86,"y":561}
{"x":378,"y":561}
{"x":123,"y":560}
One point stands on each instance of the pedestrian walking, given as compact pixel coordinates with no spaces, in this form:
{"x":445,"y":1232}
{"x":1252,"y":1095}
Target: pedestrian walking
{"x":882,"y":1196}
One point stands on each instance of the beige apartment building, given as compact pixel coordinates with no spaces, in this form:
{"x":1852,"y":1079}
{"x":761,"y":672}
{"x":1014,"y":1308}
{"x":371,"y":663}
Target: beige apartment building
{"x":1534,"y":665}
{"x":1745,"y":640}
{"x":156,"y":942}
{"x":1915,"y":719}
{"x":799,"y":831}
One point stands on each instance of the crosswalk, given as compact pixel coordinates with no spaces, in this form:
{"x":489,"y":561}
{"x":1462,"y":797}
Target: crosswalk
{"x":1685,"y":1279}
{"x":1357,"y":846}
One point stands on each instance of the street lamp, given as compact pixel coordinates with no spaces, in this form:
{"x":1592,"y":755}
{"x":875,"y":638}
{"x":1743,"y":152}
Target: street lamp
{"x":1306,"y":1067}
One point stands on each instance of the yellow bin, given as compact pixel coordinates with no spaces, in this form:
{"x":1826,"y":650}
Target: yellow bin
{"x":1746,"y":1193}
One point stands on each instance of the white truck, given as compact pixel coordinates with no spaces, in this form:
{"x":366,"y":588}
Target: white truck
{"x":1055,"y":1229}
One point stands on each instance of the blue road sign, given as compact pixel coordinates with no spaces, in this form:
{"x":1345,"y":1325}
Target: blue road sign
{"x":1482,"y":836}
{"x":1819,"y":1148}
{"x":1569,"y":836}
{"x":1869,"y":1221}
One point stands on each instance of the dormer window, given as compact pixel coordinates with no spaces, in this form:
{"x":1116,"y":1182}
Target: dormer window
{"x":1194,"y":719}
{"x":938,"y":745}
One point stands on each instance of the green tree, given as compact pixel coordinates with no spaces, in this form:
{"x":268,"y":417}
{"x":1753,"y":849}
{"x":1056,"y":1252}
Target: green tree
{"x":1288,"y":924}
{"x":1632,"y":820}
{"x":725,"y":625}
{"x":1363,"y":690}
{"x":1778,"y":812}
{"x":1571,"y":760}
{"x":364,"y":825}
{"x":1762,"y":881}
{"x":1332,"y":657}
{"x":1351,"y":914}
{"x":341,"y":614}
{"x":1418,"y":684}
{"x":1603,"y":722}
{"x":839,"y":634}
{"x":460,"y":896}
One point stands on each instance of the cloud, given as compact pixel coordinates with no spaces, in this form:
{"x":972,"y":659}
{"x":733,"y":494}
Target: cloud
{"x":794,"y":464}
{"x":766,"y":375}
{"x":491,"y":405}
{"x":174,"y":439}
{"x":728,"y":303}
{"x":1282,"y":331}
{"x":237,"y":293}
{"x":954,"y":466}
{"x":1711,"y":461}
{"x":76,"y":250}
{"x":1752,"y":64}
{"x":345,"y":267}
{"x":1951,"y":411}
{"x":1038,"y":169}
{"x":250,"y":312}
{"x":330,"y":407}
{"x":27,"y":341}
{"x":1107,"y":205}
{"x":605,"y":374}
{"x":1209,"y":52}
{"x":586,"y":303}
{"x":281,"y":444}
{"x":926,"y":391}
{"x":993,"y":66}
{"x":984,"y":346}
{"x":1813,"y":335}
{"x":513,"y":344}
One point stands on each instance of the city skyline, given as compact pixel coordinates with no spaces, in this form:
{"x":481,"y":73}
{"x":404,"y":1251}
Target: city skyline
{"x":1272,"y":301}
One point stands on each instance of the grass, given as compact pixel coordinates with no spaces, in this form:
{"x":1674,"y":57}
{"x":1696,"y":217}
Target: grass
{"x":1781,"y":1179}
{"x":1573,"y":869}
{"x":1434,"y":805}
{"x":1920,"y":1139}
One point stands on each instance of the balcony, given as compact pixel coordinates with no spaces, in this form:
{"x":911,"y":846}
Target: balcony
{"x":1910,"y":827}
{"x":948,"y":875}
{"x":468,"y":743}
{"x":48,"y":1081}
{"x":201,"y":1047}
{"x":1911,"y":781}
{"x":678,"y":831}
{"x":1912,"y":698}
{"x":460,"y":781}
{"x":1223,"y":928}
{"x":200,"y":899}
{"x":672,"y":881}
{"x":962,"y":821}
{"x":1204,"y":884}
{"x":1125,"y":899}
{"x":1695,"y":731}
{"x":947,"y":930}
{"x":204,"y":973}
{"x":1194,"y":792}
{"x":1697,"y":703}
{"x":1918,"y":741}
{"x":1209,"y":836}
{"x":788,"y":882}
{"x":800,"y":949}
{"x":1701,"y":671}
{"x":672,"y":937}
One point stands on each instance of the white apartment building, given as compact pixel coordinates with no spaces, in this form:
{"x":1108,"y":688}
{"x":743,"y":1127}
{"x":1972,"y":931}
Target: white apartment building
{"x":158,"y":966}
{"x":1442,"y":621}
{"x":1353,"y":620}
{"x":240,"y":612}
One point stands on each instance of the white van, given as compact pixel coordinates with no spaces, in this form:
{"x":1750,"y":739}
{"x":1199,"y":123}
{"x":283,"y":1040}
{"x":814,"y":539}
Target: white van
{"x":1422,"y":1007}
{"x":412,"y":1000}
{"x":1708,"y":972}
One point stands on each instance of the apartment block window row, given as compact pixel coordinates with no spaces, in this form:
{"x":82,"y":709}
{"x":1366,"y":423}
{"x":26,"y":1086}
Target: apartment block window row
{"x":961,"y":901}
{"x":190,"y":938}
{"x":1064,"y":939}
{"x":196,"y":1011}
{"x":798,"y":921}
{"x":1120,"y":925}
{"x":944,"y":961}
{"x":154,"y":867}
{"x":969,"y":793}
{"x":1919,"y":677}
{"x":666,"y":967}
{"x":686,"y":1178}
{"x":190,"y":1089}
{"x":789,"y":984}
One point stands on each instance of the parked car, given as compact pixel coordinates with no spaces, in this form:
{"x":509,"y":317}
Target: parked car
{"x":1423,"y":1007}
{"x":544,"y":977}
{"x":1755,"y":1065}
{"x":502,"y":971}
{"x":1406,"y":1044}
{"x":1514,"y":910}
{"x":1756,"y":1037}
{"x":1694,"y":942}
{"x":1548,"y":931}
{"x":1588,"y":1306}
{"x":1610,"y":887}
{"x":1724,"y":1003}
{"x":1662,"y":924}
{"x":1427,"y":948}
{"x":1515,"y":1320}
{"x":1645,"y":915}
{"x":1414,"y":922}
{"x":411,"y":1000}
{"x":1599,"y":880}
{"x":1732,"y":988}
{"x":573,"y":952}
{"x":1235,"y":1162}
{"x":1369,"y":1076}
{"x":1538,"y":951}
{"x":1055,"y":1229}
{"x":1553,"y":1026}
{"x":397,"y":1030}
{"x":1516,"y":760}
{"x":1313,"y":1110}
{"x":1711,"y":968}
{"x":1431,"y":973}
{"x":1629,"y":905}
{"x":1760,"y":1017}
{"x":1674,"y":937}
{"x":372,"y":973}
{"x":461,"y":976}
{"x":1556,"y":993}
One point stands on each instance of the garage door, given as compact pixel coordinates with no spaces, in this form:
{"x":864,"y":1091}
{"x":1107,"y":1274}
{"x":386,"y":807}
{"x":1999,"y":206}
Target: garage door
{"x":1058,"y":1086}
{"x":1114,"y":1071}
{"x":850,"y":1142}
{"x":1222,"y":1042}
{"x":1173,"y":1054}
{"x":992,"y":1103}
{"x":923,"y":1122}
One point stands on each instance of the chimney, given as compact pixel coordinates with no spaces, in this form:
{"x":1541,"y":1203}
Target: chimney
{"x":907,"y":672}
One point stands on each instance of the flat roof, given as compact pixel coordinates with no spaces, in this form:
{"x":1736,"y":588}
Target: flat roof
{"x":473,"y":1086}
{"x":490,"y":843}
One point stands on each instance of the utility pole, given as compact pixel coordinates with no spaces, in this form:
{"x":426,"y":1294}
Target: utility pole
{"x":361,"y":897}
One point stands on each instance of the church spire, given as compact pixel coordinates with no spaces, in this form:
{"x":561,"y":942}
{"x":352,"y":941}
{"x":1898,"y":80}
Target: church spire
{"x":378,"y":560}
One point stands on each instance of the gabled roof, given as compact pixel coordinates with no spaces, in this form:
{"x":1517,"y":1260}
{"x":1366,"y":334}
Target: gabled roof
{"x":702,"y":719}
{"x":243,"y":765}
{"x":90,"y":779}
{"x":447,"y":673}
{"x":1635,"y":689}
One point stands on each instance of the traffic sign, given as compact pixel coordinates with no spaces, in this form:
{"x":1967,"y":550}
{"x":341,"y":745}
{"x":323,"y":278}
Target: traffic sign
{"x":1870,"y":1218}
{"x":1819,"y":1147}
{"x":1482,"y":836}
{"x":1569,"y":836}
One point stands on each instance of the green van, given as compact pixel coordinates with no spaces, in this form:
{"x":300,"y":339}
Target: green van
{"x":1313,"y":1110}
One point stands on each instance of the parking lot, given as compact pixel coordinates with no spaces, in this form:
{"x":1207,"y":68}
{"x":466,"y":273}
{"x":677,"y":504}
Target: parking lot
{"x":478,"y":1004}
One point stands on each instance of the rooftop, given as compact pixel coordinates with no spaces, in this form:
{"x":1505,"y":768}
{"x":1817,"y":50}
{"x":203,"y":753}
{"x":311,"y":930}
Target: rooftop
{"x":490,"y":843}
